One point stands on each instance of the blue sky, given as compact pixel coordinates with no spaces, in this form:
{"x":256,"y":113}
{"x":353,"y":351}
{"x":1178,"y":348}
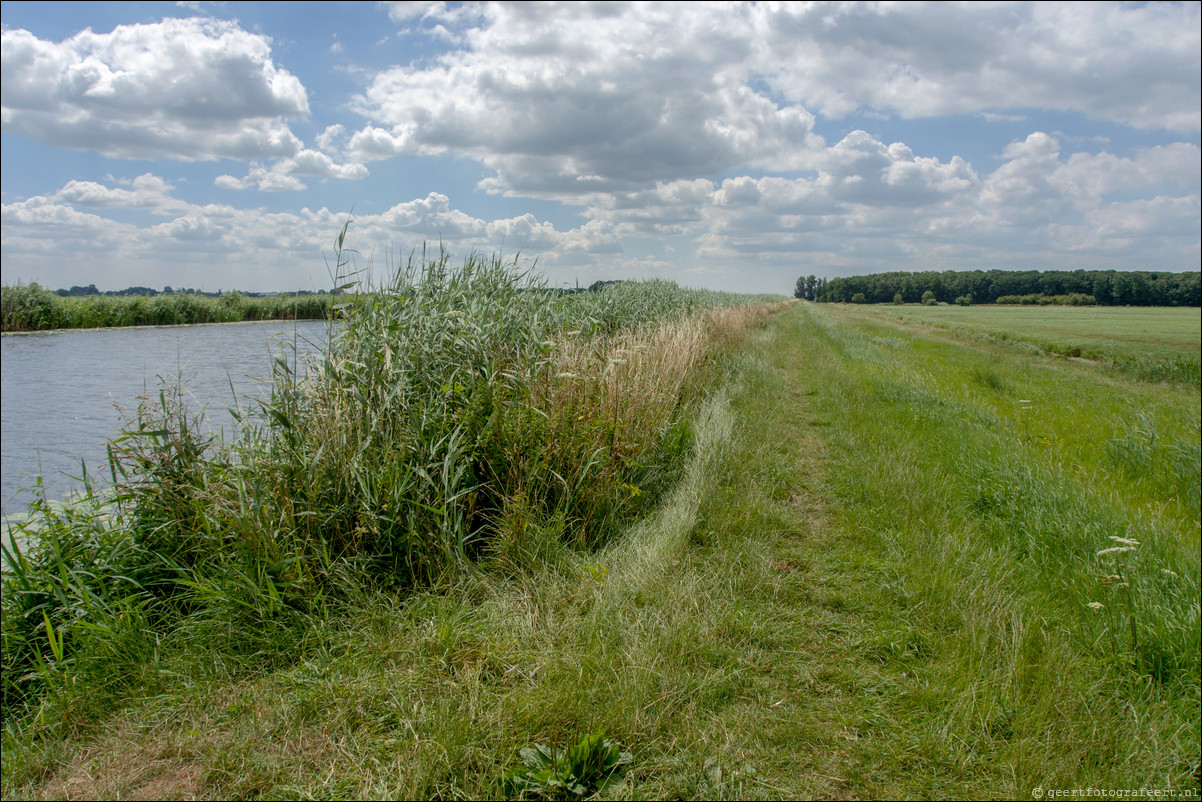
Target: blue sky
{"x":732,"y":146}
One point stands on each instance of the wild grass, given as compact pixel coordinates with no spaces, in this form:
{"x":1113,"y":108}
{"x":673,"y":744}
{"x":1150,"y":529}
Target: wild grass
{"x":1050,"y":556}
{"x":31,"y":307}
{"x":461,"y":415}
{"x":874,"y":575}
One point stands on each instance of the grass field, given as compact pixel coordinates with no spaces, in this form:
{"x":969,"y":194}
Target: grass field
{"x":1152,"y":343}
{"x":898,"y":561}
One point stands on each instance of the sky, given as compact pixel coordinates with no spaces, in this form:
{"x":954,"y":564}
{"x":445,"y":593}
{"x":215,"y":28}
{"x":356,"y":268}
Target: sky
{"x":729,"y":146}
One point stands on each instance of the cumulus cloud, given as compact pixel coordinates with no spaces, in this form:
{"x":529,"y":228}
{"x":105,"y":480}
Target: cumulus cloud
{"x":684,"y":124}
{"x":1137,"y":65}
{"x":147,"y":191}
{"x":190,"y":89}
{"x":1160,"y":216}
{"x":567,"y":101}
{"x":200,"y":243}
{"x":880,"y":204}
{"x":283,"y":174}
{"x":861,"y":184}
{"x":1035,"y":186}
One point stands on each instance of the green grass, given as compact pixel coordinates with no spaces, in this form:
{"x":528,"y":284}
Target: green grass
{"x":990,"y":477}
{"x":1153,"y":344}
{"x":872,"y":576}
{"x":459,"y":415}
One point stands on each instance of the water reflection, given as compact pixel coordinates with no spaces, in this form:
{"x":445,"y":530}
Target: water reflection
{"x":63,"y":392}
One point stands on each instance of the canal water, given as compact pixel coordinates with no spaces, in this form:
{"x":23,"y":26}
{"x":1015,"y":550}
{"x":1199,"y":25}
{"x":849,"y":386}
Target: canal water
{"x":64,"y":392}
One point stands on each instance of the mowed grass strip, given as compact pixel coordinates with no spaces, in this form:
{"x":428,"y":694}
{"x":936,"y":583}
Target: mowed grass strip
{"x":873,"y":580}
{"x":1153,"y":344}
{"x":1049,"y":584}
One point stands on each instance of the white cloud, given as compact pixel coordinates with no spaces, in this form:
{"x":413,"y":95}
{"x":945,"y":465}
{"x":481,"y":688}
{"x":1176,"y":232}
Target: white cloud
{"x":567,"y":101}
{"x":330,"y":140}
{"x":861,"y":169}
{"x":1133,"y":64}
{"x":218,"y":244}
{"x":1160,"y":217}
{"x":668,"y":209}
{"x":1091,"y":175}
{"x":148,"y":192}
{"x":282,"y":175}
{"x":880,"y":205}
{"x":1036,"y":187}
{"x":190,"y":89}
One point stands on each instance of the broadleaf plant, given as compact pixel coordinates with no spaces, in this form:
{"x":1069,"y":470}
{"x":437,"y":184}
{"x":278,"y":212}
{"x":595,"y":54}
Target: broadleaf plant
{"x":589,"y":767}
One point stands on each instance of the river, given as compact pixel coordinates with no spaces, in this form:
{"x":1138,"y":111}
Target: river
{"x":63,"y":391}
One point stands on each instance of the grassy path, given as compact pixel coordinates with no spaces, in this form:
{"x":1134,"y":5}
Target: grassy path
{"x":865,"y":586}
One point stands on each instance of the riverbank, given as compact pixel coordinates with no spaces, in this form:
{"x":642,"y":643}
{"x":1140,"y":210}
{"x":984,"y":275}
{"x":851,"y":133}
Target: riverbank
{"x":459,"y":417}
{"x":30,"y":307}
{"x":876,"y":576}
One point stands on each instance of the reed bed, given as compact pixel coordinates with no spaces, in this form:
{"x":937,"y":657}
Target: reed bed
{"x":461,"y":415}
{"x":31,"y":307}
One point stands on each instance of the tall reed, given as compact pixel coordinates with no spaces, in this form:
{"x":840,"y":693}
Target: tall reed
{"x":456,"y":409}
{"x":30,"y":307}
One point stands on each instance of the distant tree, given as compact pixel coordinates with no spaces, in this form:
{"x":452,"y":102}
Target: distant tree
{"x":897,"y":298}
{"x":859,"y":298}
{"x":928,"y":298}
{"x":807,"y":288}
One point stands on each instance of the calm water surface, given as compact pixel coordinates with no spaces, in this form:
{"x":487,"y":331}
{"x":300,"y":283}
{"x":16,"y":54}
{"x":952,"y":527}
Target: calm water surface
{"x":62,"y":390}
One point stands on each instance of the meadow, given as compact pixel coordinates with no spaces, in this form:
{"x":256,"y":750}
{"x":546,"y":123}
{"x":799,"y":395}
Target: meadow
{"x":645,"y":543}
{"x":1151,"y":343}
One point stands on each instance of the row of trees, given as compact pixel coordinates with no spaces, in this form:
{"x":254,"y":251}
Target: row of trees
{"x":1108,"y":287}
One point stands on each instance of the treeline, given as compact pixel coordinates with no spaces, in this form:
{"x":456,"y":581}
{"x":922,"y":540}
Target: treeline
{"x":1107,"y":287}
{"x":76,"y":291}
{"x":31,"y":307}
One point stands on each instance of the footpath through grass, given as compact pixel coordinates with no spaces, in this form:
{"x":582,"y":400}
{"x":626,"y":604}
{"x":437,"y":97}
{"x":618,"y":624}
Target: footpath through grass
{"x":879,"y":576}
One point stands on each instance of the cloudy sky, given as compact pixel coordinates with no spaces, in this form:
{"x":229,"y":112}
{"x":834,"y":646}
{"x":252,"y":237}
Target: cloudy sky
{"x":733,"y":146}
